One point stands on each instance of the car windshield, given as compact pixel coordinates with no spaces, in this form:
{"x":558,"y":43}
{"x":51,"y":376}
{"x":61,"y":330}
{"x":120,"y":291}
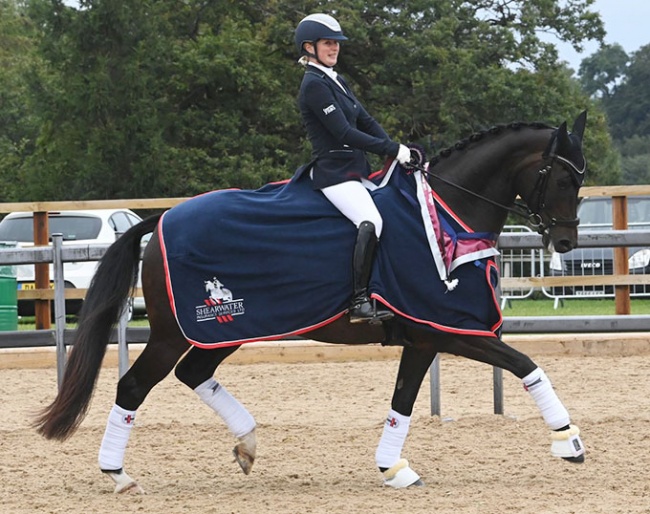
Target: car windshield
{"x":72,"y":227}
{"x":596,"y":213}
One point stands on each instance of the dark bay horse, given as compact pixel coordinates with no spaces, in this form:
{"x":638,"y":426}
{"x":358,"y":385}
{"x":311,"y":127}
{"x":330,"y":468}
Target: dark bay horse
{"x":479,"y":179}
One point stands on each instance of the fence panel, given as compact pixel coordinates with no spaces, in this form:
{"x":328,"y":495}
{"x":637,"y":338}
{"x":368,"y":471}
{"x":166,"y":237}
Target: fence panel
{"x":517,"y":263}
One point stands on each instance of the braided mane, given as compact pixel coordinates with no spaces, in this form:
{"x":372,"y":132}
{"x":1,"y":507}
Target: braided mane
{"x":478,"y":136}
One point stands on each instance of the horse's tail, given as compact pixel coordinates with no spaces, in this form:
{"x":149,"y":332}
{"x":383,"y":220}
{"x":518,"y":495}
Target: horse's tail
{"x":113,"y":282}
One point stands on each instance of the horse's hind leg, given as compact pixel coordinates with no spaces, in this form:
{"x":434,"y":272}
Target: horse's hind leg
{"x":196,"y":370}
{"x":566,"y":442}
{"x":414,"y":364}
{"x":154,"y":364}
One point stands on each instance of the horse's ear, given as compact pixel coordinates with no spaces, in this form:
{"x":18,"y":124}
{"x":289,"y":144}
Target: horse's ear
{"x":579,"y":125}
{"x":561,"y":144}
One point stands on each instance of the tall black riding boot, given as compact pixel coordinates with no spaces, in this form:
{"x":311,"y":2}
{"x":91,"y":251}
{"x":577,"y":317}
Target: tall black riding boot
{"x":363,"y":309}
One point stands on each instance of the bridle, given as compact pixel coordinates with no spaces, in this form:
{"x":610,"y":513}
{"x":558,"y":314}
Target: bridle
{"x":533,"y":216}
{"x":541,"y":185}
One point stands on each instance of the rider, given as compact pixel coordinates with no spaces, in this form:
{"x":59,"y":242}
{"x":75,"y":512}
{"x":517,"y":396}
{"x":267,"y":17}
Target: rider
{"x":341,"y":131}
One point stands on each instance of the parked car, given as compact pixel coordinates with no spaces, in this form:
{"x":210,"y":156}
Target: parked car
{"x":77,"y":227}
{"x":595,"y":214}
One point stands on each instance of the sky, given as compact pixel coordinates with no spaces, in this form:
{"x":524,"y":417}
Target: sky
{"x":627,"y":23}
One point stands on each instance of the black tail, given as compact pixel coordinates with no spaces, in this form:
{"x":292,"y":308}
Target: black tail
{"x":113,"y":282}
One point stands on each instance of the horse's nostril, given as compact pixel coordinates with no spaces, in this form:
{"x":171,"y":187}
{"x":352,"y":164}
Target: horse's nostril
{"x":563,"y":245}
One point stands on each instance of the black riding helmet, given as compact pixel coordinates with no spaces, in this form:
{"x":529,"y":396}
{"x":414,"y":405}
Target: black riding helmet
{"x":315,"y":27}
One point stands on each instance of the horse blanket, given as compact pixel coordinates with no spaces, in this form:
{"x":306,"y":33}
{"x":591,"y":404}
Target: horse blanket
{"x":247,"y":265}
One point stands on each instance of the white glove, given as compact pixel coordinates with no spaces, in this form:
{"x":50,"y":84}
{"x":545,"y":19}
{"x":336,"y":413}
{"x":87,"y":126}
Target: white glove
{"x":403,"y":155}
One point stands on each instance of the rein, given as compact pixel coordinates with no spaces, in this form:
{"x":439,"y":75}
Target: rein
{"x":533,"y":218}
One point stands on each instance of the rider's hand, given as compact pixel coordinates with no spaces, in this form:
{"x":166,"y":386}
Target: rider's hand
{"x":403,"y":155}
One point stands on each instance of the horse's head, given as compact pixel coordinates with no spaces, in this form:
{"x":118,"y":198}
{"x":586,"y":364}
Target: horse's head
{"x":553,"y":198}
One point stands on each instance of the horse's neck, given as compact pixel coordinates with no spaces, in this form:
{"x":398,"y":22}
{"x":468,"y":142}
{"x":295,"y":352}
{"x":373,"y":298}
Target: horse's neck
{"x":490,"y":170}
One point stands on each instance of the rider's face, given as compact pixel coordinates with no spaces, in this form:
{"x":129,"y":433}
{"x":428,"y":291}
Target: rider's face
{"x":327,"y":51}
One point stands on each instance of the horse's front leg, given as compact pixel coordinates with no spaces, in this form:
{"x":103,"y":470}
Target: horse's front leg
{"x":566,"y":442}
{"x":414,"y":364}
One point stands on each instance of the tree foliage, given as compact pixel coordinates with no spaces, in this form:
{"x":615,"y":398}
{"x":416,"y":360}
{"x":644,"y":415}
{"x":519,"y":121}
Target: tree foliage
{"x":167,"y":98}
{"x":19,"y":121}
{"x":629,"y":109}
{"x":601,"y":72}
{"x":620,"y":83}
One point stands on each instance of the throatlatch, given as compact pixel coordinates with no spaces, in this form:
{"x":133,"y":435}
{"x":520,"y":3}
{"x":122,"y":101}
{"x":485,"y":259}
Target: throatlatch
{"x":363,"y":309}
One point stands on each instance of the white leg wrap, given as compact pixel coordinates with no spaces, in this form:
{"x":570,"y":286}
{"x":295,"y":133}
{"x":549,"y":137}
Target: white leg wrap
{"x":541,"y":389}
{"x":401,"y":475}
{"x":116,"y":437}
{"x":238,"y":420}
{"x":392,"y":439}
{"x":567,"y":443}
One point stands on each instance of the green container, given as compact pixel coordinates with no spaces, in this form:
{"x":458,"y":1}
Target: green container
{"x":8,"y":295}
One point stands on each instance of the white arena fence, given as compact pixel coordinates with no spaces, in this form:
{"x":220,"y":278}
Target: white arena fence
{"x":519,"y":263}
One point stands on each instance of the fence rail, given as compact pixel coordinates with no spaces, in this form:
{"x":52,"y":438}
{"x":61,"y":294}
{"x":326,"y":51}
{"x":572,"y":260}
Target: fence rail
{"x":61,"y":337}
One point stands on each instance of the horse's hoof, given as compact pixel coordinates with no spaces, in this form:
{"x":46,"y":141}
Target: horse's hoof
{"x":244,"y":452}
{"x":401,"y":475}
{"x":568,"y":445}
{"x":123,"y":482}
{"x":576,"y":460}
{"x":130,"y":488}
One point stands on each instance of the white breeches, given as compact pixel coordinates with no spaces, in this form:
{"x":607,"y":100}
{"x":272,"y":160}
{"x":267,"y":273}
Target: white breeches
{"x":355,"y":203}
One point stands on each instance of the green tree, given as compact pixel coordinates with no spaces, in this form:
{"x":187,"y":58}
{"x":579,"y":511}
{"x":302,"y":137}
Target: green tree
{"x":601,"y":72}
{"x":155,"y":99}
{"x":619,"y":83}
{"x":629,"y":108}
{"x":635,"y":159}
{"x":161,"y":98}
{"x":19,"y":122}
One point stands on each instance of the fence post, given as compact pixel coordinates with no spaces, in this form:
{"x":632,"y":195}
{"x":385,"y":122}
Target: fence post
{"x":497,"y":393}
{"x":41,"y":271}
{"x":621,"y":267}
{"x":122,"y":344}
{"x":59,"y":306}
{"x":497,"y":373}
{"x":434,"y":379}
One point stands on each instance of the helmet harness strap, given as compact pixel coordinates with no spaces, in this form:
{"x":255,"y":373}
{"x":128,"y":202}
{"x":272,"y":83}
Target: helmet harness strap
{"x":315,"y":54}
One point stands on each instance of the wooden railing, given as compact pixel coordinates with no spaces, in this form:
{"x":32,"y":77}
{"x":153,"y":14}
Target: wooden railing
{"x":42,"y":294}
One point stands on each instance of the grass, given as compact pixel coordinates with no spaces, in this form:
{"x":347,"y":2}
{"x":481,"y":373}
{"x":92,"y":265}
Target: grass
{"x":573,"y":307}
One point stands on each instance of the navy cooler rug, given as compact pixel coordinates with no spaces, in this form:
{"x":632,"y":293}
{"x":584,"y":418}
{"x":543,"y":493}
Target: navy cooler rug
{"x":247,"y":266}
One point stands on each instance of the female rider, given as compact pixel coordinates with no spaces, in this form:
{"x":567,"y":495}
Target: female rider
{"x":341,"y":131}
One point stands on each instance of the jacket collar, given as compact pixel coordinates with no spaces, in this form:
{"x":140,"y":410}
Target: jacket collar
{"x":330,"y":73}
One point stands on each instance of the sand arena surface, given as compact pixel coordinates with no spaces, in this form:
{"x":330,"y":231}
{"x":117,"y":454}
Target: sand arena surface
{"x":318,"y":428}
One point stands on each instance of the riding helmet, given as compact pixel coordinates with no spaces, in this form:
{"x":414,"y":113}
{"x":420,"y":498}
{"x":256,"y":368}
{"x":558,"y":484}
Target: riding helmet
{"x":315,"y":27}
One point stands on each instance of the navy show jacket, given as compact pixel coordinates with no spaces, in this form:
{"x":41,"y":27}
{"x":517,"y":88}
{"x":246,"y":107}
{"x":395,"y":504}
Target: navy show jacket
{"x":340,"y":130}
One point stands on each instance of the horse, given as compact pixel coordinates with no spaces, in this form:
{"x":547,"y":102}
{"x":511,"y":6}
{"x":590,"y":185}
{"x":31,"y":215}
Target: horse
{"x":530,"y":168}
